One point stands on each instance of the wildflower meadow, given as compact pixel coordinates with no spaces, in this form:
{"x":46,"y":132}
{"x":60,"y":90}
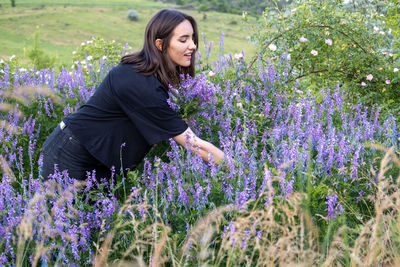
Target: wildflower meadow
{"x":310,"y":177}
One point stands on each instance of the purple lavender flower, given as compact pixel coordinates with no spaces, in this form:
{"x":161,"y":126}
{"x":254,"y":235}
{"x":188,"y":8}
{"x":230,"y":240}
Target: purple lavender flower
{"x":334,"y":208}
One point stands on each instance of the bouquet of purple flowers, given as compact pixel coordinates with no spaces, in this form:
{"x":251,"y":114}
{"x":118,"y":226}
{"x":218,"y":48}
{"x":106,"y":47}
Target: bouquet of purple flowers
{"x":193,"y":95}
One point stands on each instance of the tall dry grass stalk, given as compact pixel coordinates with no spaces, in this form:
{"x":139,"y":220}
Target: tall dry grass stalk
{"x":150,"y":240}
{"x":279,"y":234}
{"x":198,"y":241}
{"x":45,"y":229}
{"x":26,"y":94}
{"x":7,"y":170}
{"x":378,"y":244}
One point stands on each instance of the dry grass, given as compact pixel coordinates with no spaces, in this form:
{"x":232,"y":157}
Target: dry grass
{"x":279,"y":234}
{"x":23,"y":95}
{"x":289,"y":237}
{"x":378,"y":244}
{"x":44,"y":229}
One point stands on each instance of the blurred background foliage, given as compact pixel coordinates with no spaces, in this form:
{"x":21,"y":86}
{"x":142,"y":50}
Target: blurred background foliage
{"x":253,"y":7}
{"x":350,"y":43}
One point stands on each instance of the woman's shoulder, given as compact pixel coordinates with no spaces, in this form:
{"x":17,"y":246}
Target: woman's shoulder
{"x":129,"y":71}
{"x":125,"y":69}
{"x":126,"y":75}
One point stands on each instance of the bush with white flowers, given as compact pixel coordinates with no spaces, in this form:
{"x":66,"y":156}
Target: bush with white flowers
{"x":98,"y":49}
{"x":334,"y":42}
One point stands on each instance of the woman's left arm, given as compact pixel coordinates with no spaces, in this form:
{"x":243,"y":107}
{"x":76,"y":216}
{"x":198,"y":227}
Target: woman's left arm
{"x":189,"y":139}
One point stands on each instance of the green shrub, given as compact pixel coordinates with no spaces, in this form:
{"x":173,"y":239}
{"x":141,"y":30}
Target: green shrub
{"x":327,"y":43}
{"x":99,"y":49}
{"x":133,"y":15}
{"x":38,"y":56}
{"x":233,"y":22}
{"x":392,"y":19}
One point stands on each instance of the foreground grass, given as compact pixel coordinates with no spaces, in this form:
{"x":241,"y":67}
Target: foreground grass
{"x":64,"y":25}
{"x":279,"y":234}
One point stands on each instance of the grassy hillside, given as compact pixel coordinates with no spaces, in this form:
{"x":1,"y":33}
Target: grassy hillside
{"x":65,"y":24}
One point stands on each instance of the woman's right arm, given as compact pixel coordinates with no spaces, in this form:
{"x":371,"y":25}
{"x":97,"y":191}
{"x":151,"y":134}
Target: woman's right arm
{"x":189,"y":139}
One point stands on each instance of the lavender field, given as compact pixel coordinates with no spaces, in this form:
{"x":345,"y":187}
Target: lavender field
{"x":295,"y":157}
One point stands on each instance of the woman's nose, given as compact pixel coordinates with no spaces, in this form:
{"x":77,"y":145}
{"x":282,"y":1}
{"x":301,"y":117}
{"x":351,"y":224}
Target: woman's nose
{"x":192,"y":45}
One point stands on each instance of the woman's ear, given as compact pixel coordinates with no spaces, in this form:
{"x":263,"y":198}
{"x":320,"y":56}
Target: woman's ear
{"x":159,"y":44}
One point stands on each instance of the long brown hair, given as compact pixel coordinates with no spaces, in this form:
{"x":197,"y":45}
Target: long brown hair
{"x":151,"y":60}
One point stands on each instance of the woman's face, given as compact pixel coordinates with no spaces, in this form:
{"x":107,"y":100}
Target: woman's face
{"x":181,"y":46}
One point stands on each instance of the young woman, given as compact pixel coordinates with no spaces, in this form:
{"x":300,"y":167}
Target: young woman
{"x":129,"y":112}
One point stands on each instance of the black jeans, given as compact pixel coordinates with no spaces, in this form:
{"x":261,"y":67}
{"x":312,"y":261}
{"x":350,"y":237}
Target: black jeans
{"x":63,"y":149}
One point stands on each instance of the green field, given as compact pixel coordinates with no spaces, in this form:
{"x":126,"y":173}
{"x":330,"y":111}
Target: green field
{"x":64,"y":25}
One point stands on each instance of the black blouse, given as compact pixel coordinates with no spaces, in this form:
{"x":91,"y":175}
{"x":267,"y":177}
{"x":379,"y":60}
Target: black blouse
{"x":127,"y":114}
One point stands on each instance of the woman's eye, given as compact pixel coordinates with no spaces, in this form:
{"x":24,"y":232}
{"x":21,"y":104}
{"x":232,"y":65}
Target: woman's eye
{"x":183,"y":41}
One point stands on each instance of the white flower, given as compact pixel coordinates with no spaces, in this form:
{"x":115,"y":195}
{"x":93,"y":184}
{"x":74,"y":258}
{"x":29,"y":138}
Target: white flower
{"x":73,"y":52}
{"x":328,"y":41}
{"x":103,"y":57}
{"x":1,"y":61}
{"x":376,"y":28}
{"x":314,"y":52}
{"x":89,"y":58}
{"x":272,"y":47}
{"x":11,"y":58}
{"x":370,"y":77}
{"x":82,"y":44}
{"x":293,"y":11}
{"x":89,"y":42}
{"x":244,"y":15}
{"x":288,"y":57}
{"x":382,"y":33}
{"x":395,"y":70}
{"x":303,"y":39}
{"x":22,"y":69}
{"x":390,"y":55}
{"x":384,"y":53}
{"x":239,"y":105}
{"x":211,"y":74}
{"x":238,"y":56}
{"x":299,"y":106}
